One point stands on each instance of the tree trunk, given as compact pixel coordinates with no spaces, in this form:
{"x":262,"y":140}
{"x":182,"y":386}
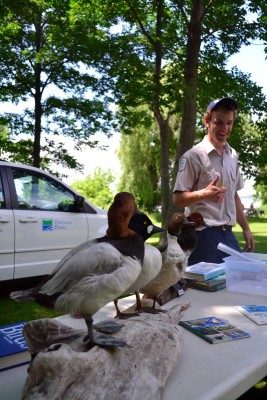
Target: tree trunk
{"x":162,"y":122}
{"x":38,"y":119}
{"x":164,"y":170}
{"x":37,"y":100}
{"x":188,"y":123}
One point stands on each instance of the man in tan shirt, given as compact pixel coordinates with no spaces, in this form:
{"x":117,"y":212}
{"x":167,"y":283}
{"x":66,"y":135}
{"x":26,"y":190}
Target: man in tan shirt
{"x":208,"y":180}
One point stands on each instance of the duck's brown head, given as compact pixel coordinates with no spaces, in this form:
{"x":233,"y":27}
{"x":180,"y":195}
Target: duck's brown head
{"x":197,"y":218}
{"x":177,"y":222}
{"x":119,"y":214}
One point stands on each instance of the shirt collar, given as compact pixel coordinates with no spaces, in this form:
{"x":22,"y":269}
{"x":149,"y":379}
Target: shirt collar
{"x":209,"y":146}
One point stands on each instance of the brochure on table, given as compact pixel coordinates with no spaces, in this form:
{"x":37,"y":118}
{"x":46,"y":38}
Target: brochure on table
{"x":214,"y":330}
{"x":257,"y":313}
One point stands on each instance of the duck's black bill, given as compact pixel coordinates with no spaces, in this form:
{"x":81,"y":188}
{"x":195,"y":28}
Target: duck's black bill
{"x":157,"y":229}
{"x":186,"y":222}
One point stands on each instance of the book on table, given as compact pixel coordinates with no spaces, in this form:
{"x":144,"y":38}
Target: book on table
{"x":210,"y":285}
{"x":203,"y":271}
{"x":257,"y":313}
{"x":13,"y":347}
{"x":214,"y":330}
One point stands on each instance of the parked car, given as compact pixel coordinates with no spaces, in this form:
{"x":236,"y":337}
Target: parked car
{"x":41,"y":219}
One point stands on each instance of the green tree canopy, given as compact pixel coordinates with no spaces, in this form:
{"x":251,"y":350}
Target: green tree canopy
{"x":140,"y":159}
{"x":97,"y":188}
{"x":48,"y":61}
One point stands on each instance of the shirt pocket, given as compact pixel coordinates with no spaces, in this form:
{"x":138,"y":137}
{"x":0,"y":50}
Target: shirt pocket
{"x":207,"y":175}
{"x":230,"y":180}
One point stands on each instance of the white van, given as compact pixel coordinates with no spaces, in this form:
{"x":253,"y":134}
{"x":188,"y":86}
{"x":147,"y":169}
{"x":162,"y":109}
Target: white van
{"x":41,"y":219}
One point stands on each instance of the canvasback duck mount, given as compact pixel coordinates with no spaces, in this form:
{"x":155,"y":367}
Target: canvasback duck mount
{"x":95,"y":273}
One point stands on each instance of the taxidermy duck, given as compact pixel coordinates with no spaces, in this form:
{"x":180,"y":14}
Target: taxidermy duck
{"x":142,"y":225}
{"x":187,"y":239}
{"x":95,"y":273}
{"x":174,"y":261}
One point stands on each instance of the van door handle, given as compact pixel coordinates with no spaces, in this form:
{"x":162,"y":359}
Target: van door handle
{"x":4,"y":220}
{"x":28,"y":220}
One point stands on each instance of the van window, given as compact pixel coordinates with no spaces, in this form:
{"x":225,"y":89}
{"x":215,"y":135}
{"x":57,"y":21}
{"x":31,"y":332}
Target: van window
{"x":2,"y":199}
{"x":38,"y":192}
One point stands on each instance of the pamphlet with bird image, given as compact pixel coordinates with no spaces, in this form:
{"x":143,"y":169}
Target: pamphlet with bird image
{"x":214,"y":330}
{"x":257,"y":313}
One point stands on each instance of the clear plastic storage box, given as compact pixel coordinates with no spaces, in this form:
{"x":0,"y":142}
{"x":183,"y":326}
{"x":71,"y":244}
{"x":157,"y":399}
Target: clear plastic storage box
{"x":248,"y":277}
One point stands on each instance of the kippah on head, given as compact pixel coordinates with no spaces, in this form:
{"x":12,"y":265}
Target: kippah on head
{"x":227,"y":101}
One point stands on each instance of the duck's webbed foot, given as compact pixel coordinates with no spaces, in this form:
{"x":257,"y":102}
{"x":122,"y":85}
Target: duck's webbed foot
{"x":108,"y":341}
{"x":149,"y":305}
{"x":103,"y":340}
{"x":108,"y":326}
{"x":124,"y":315}
{"x":153,"y":310}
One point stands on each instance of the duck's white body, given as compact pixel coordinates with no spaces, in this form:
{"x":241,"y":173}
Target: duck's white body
{"x":91,"y":278}
{"x":174,"y":263}
{"x":151,"y":266}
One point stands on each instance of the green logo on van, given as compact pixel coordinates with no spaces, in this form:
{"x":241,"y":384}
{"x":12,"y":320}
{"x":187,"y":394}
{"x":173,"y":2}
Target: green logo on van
{"x":47,"y":224}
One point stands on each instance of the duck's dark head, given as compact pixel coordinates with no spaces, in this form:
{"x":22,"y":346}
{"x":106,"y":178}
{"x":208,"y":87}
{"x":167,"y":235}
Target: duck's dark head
{"x":142,"y":224}
{"x":178,"y":221}
{"x":197,"y":218}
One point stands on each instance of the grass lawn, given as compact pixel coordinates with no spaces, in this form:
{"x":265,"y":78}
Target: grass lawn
{"x":11,"y":311}
{"x":258,"y":227}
